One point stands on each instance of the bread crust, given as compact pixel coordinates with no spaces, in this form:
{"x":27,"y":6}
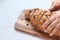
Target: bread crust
{"x":38,"y":17}
{"x":21,"y":25}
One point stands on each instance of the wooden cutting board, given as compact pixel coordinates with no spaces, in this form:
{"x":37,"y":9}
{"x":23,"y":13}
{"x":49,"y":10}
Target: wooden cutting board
{"x":24,"y":26}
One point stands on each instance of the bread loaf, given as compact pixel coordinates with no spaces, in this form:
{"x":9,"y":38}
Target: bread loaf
{"x":37,"y":17}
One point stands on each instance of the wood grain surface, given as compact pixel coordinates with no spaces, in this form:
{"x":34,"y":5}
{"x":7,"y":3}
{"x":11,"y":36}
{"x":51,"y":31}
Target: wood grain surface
{"x":24,"y":26}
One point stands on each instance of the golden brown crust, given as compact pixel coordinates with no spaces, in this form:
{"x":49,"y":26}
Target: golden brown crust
{"x":37,"y":17}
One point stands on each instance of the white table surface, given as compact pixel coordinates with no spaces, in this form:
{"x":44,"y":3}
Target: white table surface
{"x":9,"y":12}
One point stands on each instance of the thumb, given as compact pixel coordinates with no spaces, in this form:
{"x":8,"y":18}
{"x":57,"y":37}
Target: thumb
{"x":52,"y":8}
{"x":55,"y":6}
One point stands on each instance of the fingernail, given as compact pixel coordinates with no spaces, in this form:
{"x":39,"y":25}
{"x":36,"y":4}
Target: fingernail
{"x":45,"y":31}
{"x":43,"y":26}
{"x":51,"y":34}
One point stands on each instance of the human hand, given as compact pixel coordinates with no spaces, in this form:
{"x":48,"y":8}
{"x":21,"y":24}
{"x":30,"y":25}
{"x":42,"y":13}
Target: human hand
{"x":55,"y":5}
{"x":52,"y":25}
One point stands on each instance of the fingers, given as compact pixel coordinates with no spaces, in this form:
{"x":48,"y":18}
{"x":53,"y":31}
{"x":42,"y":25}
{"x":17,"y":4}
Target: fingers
{"x":55,"y":29}
{"x":55,"y":6}
{"x":52,"y":25}
{"x":48,"y":21}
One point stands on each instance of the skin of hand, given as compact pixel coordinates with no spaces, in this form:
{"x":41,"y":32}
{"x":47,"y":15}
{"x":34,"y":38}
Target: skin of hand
{"x":52,"y":25}
{"x":55,"y":5}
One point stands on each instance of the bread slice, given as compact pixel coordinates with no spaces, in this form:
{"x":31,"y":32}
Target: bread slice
{"x":25,"y":26}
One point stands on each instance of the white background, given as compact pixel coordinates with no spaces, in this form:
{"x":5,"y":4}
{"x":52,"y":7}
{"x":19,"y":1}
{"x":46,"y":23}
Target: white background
{"x":9,"y":12}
